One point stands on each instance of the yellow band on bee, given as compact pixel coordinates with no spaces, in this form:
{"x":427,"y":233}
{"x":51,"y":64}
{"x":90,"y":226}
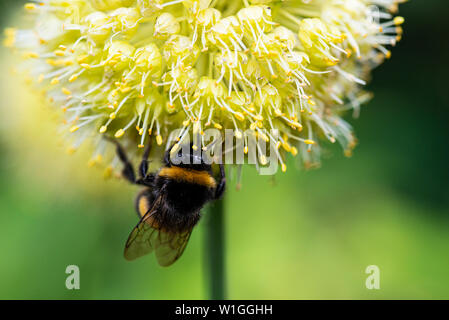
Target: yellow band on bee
{"x":191,"y":176}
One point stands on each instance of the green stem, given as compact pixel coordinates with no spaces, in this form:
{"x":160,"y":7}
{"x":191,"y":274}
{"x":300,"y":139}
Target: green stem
{"x":215,"y":233}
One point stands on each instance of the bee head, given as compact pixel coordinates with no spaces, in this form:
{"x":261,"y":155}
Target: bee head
{"x":187,"y":156}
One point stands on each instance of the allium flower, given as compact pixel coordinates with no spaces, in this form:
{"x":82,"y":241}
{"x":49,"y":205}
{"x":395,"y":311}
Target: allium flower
{"x":138,"y":69}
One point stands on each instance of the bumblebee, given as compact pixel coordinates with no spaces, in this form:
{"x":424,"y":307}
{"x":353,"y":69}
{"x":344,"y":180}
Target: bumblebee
{"x":170,"y":204}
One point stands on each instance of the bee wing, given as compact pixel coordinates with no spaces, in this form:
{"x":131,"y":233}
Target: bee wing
{"x":146,"y":237}
{"x":170,"y":246}
{"x":141,"y":240}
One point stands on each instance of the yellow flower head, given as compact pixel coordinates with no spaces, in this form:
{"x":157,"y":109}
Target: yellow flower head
{"x":139,"y":69}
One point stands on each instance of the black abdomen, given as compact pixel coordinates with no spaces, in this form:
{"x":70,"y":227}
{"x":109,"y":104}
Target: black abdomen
{"x":186,"y":197}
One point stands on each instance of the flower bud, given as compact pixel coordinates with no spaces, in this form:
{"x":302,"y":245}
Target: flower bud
{"x":119,"y":55}
{"x":126,"y":21}
{"x":179,"y":49}
{"x":165,"y":26}
{"x":99,"y":26}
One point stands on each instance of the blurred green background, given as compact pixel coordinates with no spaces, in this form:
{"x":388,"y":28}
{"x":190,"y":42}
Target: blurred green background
{"x":302,"y":235}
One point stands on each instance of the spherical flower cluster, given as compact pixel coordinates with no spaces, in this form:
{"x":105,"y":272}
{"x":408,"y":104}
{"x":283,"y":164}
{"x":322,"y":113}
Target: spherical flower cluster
{"x":138,"y":69}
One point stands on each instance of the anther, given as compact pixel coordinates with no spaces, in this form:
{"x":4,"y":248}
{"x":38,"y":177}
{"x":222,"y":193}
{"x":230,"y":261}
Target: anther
{"x":119,"y":133}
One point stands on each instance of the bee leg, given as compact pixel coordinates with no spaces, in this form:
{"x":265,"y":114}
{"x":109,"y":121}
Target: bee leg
{"x":146,"y":179}
{"x":221,"y":183}
{"x":128,"y":170}
{"x":167,"y":157}
{"x":143,"y":167}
